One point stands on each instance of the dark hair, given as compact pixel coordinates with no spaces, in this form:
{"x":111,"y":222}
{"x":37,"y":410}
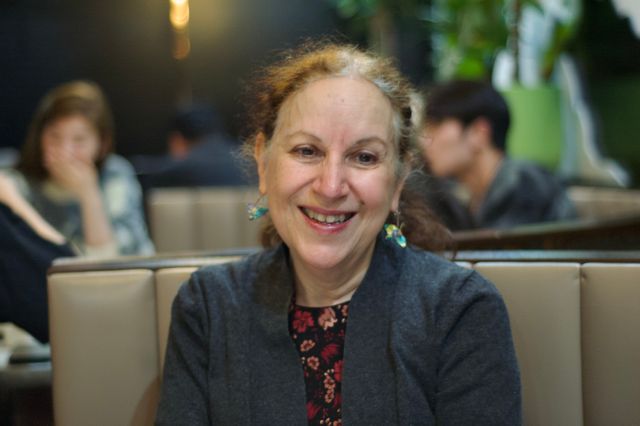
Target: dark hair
{"x":74,"y":98}
{"x":196,"y":121}
{"x":467,"y":101}
{"x":274,"y":84}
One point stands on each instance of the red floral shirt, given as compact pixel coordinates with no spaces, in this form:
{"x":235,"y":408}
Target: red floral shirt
{"x":318,"y":334}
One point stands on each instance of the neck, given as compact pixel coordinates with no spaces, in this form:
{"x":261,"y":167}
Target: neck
{"x":322,"y":287}
{"x":479,"y":178}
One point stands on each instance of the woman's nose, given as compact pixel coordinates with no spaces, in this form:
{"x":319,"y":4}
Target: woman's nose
{"x":331,"y":180}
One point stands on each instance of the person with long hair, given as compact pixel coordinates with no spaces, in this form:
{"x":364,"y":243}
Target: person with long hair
{"x":69,"y":174}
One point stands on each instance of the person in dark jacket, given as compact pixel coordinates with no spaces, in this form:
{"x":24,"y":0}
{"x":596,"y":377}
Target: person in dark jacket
{"x":28,"y":246}
{"x":465,"y":139}
{"x":347,"y":316}
{"x":200,"y":153}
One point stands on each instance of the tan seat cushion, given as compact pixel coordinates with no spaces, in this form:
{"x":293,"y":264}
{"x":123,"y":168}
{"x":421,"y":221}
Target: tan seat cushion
{"x":611,"y":343}
{"x":104,"y":338}
{"x":543,"y":300}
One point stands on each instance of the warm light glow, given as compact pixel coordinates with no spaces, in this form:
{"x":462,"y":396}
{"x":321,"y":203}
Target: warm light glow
{"x":179,"y":18}
{"x":179,"y":14}
{"x":181,"y":45}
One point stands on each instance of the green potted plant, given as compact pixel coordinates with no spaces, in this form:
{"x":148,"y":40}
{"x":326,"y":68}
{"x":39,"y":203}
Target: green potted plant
{"x":377,"y":21}
{"x":467,"y":36}
{"x":516,"y":44}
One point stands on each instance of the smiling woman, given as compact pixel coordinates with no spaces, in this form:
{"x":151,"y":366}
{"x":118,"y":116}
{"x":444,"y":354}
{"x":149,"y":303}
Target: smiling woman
{"x":331,"y":181}
{"x":266,"y":339}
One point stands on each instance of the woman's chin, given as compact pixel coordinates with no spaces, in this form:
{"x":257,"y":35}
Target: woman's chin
{"x":321,"y":257}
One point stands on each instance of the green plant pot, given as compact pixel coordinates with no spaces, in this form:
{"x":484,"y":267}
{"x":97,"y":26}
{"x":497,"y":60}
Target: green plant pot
{"x":536,"y":125}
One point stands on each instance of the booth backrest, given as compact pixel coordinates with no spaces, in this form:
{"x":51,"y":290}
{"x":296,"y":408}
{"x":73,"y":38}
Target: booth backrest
{"x":610,"y":307}
{"x":604,"y":203}
{"x":202,"y":218}
{"x":543,"y":300}
{"x":215,"y":219}
{"x":574,"y":325}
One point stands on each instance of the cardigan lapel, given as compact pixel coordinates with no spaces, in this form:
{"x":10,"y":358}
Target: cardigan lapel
{"x":277,"y":385}
{"x":368,"y":387}
{"x":277,"y":381}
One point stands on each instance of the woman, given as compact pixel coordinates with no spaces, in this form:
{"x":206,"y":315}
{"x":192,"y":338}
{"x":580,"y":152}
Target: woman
{"x":336,"y":316}
{"x":70,"y":176}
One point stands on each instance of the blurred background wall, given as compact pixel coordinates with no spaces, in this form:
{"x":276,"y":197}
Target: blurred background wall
{"x":127,"y":47}
{"x":122,"y":45}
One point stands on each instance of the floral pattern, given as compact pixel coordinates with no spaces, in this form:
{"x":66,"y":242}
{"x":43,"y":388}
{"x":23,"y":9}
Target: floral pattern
{"x":318,"y":334}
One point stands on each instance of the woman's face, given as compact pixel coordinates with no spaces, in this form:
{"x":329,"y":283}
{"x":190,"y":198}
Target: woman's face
{"x":330,"y":171}
{"x":72,"y":138}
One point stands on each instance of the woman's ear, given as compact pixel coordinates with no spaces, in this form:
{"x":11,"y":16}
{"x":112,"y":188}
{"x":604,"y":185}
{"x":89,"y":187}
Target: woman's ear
{"x":259,"y":154}
{"x":480,"y":129}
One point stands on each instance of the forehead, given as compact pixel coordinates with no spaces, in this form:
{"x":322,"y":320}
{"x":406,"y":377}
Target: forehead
{"x":347,"y":106}
{"x":445,"y":125}
{"x":76,"y":122}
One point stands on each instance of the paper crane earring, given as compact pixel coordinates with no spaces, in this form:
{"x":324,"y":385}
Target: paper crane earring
{"x":255,"y":211}
{"x":394,"y":232}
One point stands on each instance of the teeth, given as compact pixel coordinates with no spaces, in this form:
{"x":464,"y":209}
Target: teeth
{"x":325,"y":218}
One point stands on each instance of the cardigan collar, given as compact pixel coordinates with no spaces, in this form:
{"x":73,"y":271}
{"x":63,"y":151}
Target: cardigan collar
{"x":277,"y":362}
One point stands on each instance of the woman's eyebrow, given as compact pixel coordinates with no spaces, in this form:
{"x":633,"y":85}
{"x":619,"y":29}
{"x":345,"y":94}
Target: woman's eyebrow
{"x":362,"y":141}
{"x":370,"y":139}
{"x":302,"y":134}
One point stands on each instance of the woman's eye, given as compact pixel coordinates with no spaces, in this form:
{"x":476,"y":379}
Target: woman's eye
{"x":305,"y":151}
{"x":366,"y":158}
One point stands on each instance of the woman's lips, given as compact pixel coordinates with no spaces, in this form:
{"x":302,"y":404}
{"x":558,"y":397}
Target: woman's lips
{"x":325,"y":220}
{"x":326,"y":217}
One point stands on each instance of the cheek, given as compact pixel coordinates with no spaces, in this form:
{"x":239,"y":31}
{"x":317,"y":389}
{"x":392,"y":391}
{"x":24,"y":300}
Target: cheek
{"x":282,"y":178}
{"x":378,"y":191}
{"x":92,"y":150}
{"x":451,"y":150}
{"x":438,"y":152}
{"x":48,"y":145}
{"x":438,"y":142}
{"x":88,"y":150}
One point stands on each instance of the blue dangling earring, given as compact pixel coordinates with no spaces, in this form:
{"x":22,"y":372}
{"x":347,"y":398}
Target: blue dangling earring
{"x":255,"y":211}
{"x":394,"y":232}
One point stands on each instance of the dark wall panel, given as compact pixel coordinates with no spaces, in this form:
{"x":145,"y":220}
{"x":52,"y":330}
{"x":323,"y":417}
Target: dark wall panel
{"x":125,"y":46}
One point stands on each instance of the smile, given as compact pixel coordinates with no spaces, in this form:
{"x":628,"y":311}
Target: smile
{"x":327,"y":219}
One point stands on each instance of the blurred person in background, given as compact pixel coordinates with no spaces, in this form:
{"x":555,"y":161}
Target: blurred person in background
{"x":70,"y":176}
{"x":199,"y":152}
{"x":28,"y":246}
{"x":464,"y":138}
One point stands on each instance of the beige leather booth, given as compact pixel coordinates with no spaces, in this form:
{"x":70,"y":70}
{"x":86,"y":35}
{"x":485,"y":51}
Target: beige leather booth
{"x":201,"y":218}
{"x":575,"y":320}
{"x":216,"y":218}
{"x":604,"y":203}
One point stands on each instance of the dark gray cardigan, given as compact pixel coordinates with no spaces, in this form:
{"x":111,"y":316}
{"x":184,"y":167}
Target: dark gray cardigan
{"x":427,"y":343}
